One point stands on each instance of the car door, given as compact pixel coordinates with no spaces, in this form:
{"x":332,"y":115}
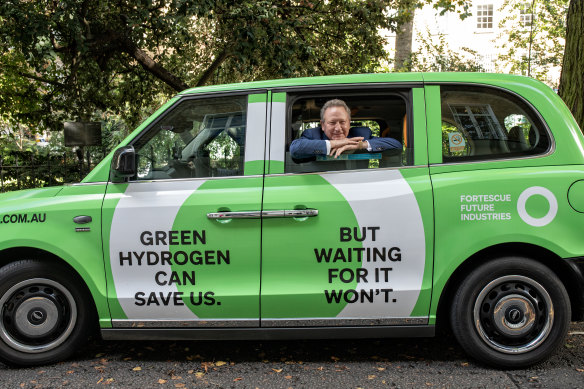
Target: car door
{"x":348,"y":241}
{"x":182,"y":237}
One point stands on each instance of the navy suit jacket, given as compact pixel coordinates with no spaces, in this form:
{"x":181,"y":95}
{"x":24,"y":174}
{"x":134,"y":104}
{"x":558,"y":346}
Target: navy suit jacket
{"x":312,"y":142}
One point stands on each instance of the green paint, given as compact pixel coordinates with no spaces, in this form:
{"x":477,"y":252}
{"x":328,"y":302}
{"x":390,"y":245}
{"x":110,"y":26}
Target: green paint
{"x":434,"y":124}
{"x":418,"y":180}
{"x":114,"y":193}
{"x":257,"y":98}
{"x":276,"y":167}
{"x":254,"y":168}
{"x":235,"y":285}
{"x":278,"y":97}
{"x":576,"y":196}
{"x":293,"y":281}
{"x":420,"y":140}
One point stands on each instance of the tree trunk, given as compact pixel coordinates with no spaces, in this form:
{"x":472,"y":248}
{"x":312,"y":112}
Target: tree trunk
{"x":403,"y":43}
{"x":572,"y":78}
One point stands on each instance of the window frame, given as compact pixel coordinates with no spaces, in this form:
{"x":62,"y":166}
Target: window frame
{"x":403,"y":90}
{"x":536,"y":116}
{"x":181,"y":100}
{"x":482,"y":23}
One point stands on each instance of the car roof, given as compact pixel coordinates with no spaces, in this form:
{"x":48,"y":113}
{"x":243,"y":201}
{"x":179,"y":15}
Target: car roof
{"x":398,"y":78}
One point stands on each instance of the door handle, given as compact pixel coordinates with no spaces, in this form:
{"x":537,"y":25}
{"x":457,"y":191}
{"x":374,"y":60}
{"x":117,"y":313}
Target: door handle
{"x":264,"y":214}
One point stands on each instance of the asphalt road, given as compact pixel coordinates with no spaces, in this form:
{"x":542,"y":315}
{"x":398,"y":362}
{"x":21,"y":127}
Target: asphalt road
{"x":395,"y":363}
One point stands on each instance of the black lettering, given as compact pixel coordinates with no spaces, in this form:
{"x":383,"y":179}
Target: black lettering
{"x":160,"y":237}
{"x":373,"y":229}
{"x":323,"y":254}
{"x":198,"y":301}
{"x":200,"y":237}
{"x":152,"y":300}
{"x":345,"y":234}
{"x":183,"y":261}
{"x":377,"y":253}
{"x":173,"y":238}
{"x":139,"y":257}
{"x":209,"y":299}
{"x":165,"y":299}
{"x":139,"y":297}
{"x":184,"y":238}
{"x":34,"y":218}
{"x":340,"y":255}
{"x":125,"y":258}
{"x":196,"y":258}
{"x":146,"y":238}
{"x":223,"y":257}
{"x":165,"y":257}
{"x":178,"y":298}
{"x":13,"y":218}
{"x":394,"y":254}
{"x":151,"y":258}
{"x":209,"y":257}
{"x":333,"y":296}
{"x":356,"y":233}
{"x":157,"y":278}
{"x":42,"y":217}
{"x":22,"y":218}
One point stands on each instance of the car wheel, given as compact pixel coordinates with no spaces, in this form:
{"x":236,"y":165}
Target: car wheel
{"x":44,"y":313}
{"x":511,"y":312}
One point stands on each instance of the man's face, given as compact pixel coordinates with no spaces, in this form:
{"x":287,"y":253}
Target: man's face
{"x":336,"y":123}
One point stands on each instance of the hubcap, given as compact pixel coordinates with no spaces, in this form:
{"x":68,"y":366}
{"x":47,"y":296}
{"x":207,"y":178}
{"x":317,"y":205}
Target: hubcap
{"x":513,"y":314}
{"x":37,"y":315}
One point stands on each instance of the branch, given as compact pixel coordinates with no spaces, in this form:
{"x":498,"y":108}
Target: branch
{"x":214,"y":66}
{"x":152,"y":66}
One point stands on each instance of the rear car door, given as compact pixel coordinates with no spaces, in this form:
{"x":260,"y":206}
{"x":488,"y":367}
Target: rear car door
{"x":348,"y":241}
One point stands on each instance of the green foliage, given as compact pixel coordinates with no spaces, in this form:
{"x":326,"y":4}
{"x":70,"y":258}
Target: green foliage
{"x":434,"y":55}
{"x":533,"y":43}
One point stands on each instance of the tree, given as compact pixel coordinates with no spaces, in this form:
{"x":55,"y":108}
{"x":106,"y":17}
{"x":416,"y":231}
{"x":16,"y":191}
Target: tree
{"x":572,"y":79}
{"x":70,"y":58}
{"x":533,"y":38}
{"x":405,"y":31}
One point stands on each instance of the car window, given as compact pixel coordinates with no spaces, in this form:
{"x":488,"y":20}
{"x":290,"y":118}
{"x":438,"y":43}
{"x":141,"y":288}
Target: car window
{"x":481,"y":123}
{"x":380,"y":118}
{"x":198,"y":138}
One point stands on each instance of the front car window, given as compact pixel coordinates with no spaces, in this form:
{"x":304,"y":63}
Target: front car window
{"x":482,"y":123}
{"x":197,"y":138}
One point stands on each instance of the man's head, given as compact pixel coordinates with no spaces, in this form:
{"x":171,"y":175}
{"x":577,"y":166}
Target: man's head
{"x":335,"y":119}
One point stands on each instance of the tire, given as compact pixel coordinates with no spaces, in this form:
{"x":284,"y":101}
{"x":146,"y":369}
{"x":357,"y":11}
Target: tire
{"x":45,"y":314}
{"x":510,"y":312}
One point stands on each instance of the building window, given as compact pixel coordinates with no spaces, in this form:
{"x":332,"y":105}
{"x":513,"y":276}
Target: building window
{"x":485,"y":16}
{"x":525,"y":14}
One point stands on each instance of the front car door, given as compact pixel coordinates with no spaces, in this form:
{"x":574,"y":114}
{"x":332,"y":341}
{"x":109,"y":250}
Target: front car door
{"x":178,"y":253}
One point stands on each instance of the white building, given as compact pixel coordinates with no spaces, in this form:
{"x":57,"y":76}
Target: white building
{"x":482,"y":33}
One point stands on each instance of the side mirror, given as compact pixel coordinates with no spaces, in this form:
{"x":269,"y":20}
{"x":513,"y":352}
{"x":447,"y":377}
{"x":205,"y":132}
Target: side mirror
{"x":123,"y":163}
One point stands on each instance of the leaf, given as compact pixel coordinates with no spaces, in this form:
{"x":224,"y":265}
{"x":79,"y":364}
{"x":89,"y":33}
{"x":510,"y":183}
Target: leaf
{"x":371,"y":376}
{"x":288,"y":377}
{"x":237,"y":379}
{"x":336,"y":359}
{"x":277,"y":370}
{"x":199,"y":374}
{"x":161,"y":381}
{"x":137,"y":368}
{"x":220,"y":363}
{"x":179,"y":385}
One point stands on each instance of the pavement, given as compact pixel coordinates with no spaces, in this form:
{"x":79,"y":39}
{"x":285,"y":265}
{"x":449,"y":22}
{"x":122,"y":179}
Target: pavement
{"x":394,"y":363}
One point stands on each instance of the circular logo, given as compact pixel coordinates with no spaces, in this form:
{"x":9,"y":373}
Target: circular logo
{"x":533,"y":221}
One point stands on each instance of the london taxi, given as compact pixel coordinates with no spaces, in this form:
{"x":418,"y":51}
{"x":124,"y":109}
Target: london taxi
{"x":202,"y":226}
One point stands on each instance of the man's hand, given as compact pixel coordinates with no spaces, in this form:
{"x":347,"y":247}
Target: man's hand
{"x":339,"y":146}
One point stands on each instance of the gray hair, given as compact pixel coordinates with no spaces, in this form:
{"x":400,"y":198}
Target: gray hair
{"x":334,"y":103}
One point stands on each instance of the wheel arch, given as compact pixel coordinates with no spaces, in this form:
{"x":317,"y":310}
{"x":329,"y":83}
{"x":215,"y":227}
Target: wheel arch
{"x":540,"y":254}
{"x":14,"y":254}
